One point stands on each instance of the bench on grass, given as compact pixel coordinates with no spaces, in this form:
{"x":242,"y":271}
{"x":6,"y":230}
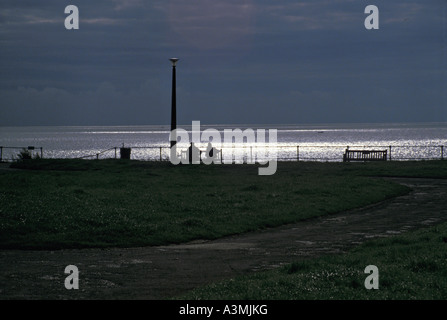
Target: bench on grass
{"x":364,"y":155}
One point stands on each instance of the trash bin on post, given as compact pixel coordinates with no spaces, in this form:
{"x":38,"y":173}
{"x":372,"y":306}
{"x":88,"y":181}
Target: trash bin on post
{"x":125,"y":153}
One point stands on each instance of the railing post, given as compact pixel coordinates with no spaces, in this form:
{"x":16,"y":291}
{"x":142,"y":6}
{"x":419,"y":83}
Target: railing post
{"x":1,"y":153}
{"x":390,"y":153}
{"x":251,"y":154}
{"x":160,"y":155}
{"x":442,"y":153}
{"x":297,"y":153}
{"x":41,"y":153}
{"x":115,"y":152}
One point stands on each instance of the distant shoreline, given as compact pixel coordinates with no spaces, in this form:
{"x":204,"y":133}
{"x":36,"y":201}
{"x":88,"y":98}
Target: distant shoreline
{"x":244,"y":125}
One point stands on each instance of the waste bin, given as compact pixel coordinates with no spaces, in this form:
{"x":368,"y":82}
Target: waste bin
{"x":125,"y":153}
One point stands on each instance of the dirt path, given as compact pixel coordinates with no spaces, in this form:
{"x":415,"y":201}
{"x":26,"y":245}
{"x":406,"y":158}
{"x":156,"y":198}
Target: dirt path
{"x":167,"y":271}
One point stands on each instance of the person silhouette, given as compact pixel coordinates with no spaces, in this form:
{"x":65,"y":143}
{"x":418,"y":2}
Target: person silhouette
{"x":211,"y":154}
{"x":209,"y":150}
{"x":193,"y":154}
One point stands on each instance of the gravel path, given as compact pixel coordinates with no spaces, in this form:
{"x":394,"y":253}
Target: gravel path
{"x":167,"y":271}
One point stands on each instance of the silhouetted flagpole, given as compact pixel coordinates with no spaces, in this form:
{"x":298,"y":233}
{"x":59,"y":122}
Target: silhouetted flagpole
{"x":173,"y":100}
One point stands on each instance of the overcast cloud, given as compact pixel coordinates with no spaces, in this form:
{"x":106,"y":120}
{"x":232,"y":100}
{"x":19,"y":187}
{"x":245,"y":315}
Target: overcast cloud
{"x":241,"y":61}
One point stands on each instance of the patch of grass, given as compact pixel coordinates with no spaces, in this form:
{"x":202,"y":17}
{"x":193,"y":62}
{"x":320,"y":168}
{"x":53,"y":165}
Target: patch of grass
{"x":411,"y":266}
{"x":416,"y":169}
{"x":105,"y":203}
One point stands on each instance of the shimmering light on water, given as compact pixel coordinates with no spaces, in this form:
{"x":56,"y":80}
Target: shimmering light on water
{"x":316,"y":142}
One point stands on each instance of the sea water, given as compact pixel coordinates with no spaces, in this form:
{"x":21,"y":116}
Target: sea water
{"x":320,"y":142}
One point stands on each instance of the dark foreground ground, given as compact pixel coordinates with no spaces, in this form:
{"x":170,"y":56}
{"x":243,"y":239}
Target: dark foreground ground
{"x":162,"y":272}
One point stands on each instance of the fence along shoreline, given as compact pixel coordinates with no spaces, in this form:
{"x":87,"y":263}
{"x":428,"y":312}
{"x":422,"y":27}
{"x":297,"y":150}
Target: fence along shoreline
{"x":283,"y":152}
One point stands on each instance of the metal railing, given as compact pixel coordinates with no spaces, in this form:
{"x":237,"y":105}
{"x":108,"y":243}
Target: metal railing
{"x":252,"y":153}
{"x":13,"y":157}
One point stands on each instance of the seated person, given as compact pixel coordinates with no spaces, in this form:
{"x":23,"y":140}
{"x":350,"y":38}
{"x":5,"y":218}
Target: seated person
{"x":211,"y":153}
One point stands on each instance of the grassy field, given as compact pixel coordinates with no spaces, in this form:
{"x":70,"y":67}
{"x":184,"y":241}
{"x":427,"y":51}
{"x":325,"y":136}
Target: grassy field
{"x":54,"y":204}
{"x":410,"y":266}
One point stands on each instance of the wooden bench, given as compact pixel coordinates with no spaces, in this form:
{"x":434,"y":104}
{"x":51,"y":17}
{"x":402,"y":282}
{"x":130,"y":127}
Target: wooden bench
{"x":364,"y":155}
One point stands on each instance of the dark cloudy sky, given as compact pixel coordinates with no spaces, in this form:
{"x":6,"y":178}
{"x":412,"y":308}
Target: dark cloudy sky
{"x":241,"y":61}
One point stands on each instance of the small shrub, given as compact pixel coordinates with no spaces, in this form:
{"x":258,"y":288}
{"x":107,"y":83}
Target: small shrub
{"x":26,"y":154}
